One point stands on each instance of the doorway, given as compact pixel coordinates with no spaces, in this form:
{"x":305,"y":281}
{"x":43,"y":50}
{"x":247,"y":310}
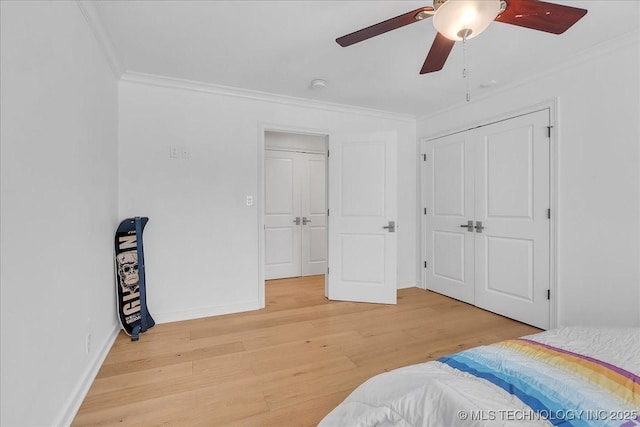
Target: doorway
{"x":360,"y":188}
{"x":295,"y":207}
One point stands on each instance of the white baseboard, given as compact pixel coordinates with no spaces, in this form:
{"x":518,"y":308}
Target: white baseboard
{"x":198,"y":313}
{"x":77,"y":397}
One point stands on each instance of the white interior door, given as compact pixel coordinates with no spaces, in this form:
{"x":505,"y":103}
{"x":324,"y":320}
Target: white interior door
{"x":512,"y":199}
{"x":448,"y":183}
{"x":282,"y":211}
{"x":362,"y":201}
{"x":313,"y":210}
{"x":295,"y":214}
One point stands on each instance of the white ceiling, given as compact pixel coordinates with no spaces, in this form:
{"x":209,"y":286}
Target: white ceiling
{"x":280,"y":46}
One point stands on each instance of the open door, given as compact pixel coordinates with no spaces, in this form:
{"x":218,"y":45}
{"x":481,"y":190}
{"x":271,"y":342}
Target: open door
{"x":362,"y":218}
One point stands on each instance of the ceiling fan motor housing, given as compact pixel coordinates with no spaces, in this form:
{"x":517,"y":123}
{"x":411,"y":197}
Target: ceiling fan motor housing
{"x":438,"y":3}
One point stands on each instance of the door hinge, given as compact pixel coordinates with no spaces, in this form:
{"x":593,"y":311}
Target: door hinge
{"x":548,"y":293}
{"x":425,"y":211}
{"x":327,"y":270}
{"x":327,"y":153}
{"x":425,"y":264}
{"x":424,"y":157}
{"x":327,"y":212}
{"x":549,"y":131}
{"x":549,"y":213}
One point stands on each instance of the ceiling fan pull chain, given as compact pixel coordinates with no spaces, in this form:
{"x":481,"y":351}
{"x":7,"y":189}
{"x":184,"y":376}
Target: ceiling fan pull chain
{"x":465,"y":70}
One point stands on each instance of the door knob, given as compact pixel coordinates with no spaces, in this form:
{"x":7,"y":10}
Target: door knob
{"x":391,"y":227}
{"x":468,"y":225}
{"x":305,"y":221}
{"x":479,"y":226}
{"x":297,"y":220}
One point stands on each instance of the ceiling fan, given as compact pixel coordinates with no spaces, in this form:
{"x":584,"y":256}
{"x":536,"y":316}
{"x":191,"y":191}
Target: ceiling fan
{"x":461,"y":20}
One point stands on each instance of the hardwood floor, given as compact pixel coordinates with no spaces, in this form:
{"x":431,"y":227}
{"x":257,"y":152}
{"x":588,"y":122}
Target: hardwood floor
{"x":286,"y":365}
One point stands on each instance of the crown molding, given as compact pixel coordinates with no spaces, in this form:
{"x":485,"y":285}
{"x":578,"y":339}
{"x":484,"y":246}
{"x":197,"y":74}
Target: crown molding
{"x":183,"y":84}
{"x":94,"y":22}
{"x":626,"y":40}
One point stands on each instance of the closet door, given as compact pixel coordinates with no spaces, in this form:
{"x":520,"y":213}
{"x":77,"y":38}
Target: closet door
{"x":281,"y":215}
{"x":496,"y":179}
{"x":295,"y":214}
{"x":313,"y":209}
{"x":448,"y":181}
{"x":512,"y":270}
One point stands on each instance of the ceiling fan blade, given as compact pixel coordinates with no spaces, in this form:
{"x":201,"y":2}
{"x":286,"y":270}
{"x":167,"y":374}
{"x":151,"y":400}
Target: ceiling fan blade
{"x":384,"y":26}
{"x":440,"y":50}
{"x":540,"y":15}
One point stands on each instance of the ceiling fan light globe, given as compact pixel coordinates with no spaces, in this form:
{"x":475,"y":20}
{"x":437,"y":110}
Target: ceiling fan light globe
{"x":455,"y":18}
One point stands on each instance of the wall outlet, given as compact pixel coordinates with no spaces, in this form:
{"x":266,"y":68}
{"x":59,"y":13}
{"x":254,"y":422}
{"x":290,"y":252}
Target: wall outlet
{"x":185,"y":152}
{"x":174,"y":153}
{"x":249,"y":200}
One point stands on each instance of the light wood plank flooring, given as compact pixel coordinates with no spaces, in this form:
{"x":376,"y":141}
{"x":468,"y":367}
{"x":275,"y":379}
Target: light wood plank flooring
{"x":286,"y":365}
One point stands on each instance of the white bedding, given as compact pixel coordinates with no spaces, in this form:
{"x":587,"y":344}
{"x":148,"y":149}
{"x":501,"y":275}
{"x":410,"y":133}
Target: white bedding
{"x":436,"y":394}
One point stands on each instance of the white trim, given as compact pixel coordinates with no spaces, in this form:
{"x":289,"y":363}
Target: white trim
{"x":82,"y":388}
{"x":92,"y":17}
{"x":593,"y":52}
{"x":260,"y":214}
{"x":201,"y":312}
{"x":554,"y":186}
{"x":421,"y":217}
{"x":262,"y":128}
{"x":316,"y":146}
{"x":493,"y":119}
{"x":176,"y":83}
{"x":552,"y":106}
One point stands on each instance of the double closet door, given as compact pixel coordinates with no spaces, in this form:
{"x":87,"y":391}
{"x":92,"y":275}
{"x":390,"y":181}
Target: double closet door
{"x":487,"y":227}
{"x":295,"y":214}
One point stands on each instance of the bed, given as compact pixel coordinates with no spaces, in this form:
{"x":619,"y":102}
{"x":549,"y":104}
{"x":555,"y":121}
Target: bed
{"x":565,"y":377}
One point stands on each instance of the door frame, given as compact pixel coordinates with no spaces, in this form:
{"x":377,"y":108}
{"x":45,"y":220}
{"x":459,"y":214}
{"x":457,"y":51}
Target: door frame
{"x":262,"y":128}
{"x":554,"y":140}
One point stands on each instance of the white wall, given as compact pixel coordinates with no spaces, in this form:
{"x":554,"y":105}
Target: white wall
{"x":59,"y":210}
{"x":598,"y":211}
{"x":201,"y":243}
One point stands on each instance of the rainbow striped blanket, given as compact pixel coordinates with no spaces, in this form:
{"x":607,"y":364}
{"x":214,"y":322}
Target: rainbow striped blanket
{"x":563,"y":377}
{"x":591,"y":392}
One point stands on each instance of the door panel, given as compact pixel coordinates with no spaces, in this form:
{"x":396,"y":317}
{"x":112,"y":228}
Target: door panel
{"x":512,"y":198}
{"x":509,"y":267}
{"x":357,"y":252}
{"x":279,"y":183}
{"x":449,"y":179}
{"x":282,"y":236}
{"x":317,"y":253}
{"x":508,"y":160}
{"x":363,"y":191}
{"x":449,"y":256}
{"x":448,"y":184}
{"x":363,"y":199}
{"x":314,"y":209}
